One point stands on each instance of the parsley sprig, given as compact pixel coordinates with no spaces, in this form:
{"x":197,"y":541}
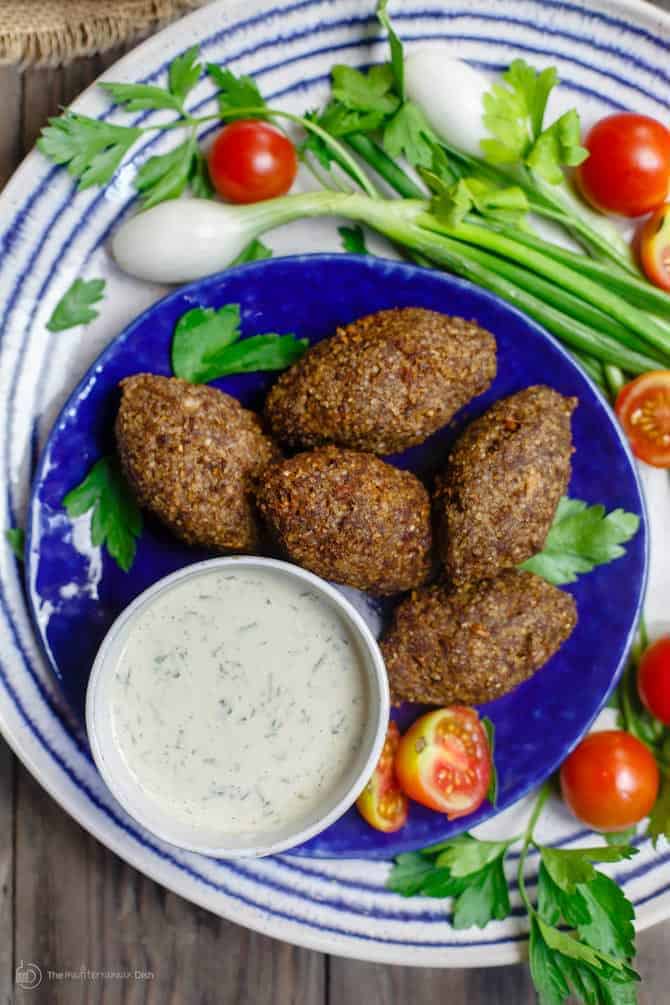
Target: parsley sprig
{"x":207,"y":344}
{"x":514,"y":114}
{"x":116,"y":520}
{"x":75,"y":307}
{"x":353,"y":240}
{"x":581,"y":538}
{"x":592,"y":959}
{"x":93,"y":149}
{"x":16,"y":539}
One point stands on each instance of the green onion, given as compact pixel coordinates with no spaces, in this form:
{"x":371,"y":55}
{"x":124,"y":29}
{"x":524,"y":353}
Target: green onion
{"x":374,"y":155}
{"x":648,"y":329}
{"x":637,"y":291}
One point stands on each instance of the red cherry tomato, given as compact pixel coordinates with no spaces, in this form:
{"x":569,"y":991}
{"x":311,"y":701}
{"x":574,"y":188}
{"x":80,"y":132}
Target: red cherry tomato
{"x":381,"y":803}
{"x":444,"y":761}
{"x":251,"y":161}
{"x":610,"y":781}
{"x":628,"y":167}
{"x":654,"y":247}
{"x":643,"y":408}
{"x":653,"y":679}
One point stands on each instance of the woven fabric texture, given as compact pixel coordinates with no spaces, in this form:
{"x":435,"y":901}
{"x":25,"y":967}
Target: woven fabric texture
{"x":52,"y":32}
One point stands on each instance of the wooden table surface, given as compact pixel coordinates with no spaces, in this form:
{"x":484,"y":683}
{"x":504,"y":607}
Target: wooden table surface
{"x":67,"y":902}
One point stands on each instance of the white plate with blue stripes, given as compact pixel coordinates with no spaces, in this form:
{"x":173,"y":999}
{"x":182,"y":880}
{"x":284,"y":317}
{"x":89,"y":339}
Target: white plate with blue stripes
{"x":610,"y":55}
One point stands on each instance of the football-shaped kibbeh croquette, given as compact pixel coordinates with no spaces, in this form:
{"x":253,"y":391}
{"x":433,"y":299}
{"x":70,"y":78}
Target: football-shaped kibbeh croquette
{"x":495,"y":502}
{"x":382,"y":383}
{"x":351,"y":518}
{"x":477,"y":642}
{"x":193,"y":456}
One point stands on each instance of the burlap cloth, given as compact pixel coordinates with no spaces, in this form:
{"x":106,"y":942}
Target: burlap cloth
{"x":50,"y":32}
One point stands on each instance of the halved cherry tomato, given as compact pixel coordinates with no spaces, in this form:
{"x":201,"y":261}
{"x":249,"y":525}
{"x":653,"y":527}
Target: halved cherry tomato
{"x":654,"y":247}
{"x":653,"y":679}
{"x":643,"y":407}
{"x":610,"y":781}
{"x":444,"y":762}
{"x":251,"y":161}
{"x":628,"y":167}
{"x":381,"y":803}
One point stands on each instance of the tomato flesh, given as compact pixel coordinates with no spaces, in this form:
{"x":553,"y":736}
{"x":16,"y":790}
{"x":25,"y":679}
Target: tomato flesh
{"x":610,"y":780}
{"x":654,"y":247}
{"x":381,"y":803}
{"x":444,"y":762}
{"x":653,"y":679}
{"x":643,"y":408}
{"x":628,"y":167}
{"x":251,"y":161}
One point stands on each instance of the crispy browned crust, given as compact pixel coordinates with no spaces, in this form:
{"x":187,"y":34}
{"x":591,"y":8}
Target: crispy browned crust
{"x":478,"y":642}
{"x":350,"y":518}
{"x":193,"y":456}
{"x":382,"y":383}
{"x":496,"y":500}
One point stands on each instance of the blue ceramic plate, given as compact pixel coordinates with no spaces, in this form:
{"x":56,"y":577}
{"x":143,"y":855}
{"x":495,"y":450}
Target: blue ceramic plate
{"x":538,"y":723}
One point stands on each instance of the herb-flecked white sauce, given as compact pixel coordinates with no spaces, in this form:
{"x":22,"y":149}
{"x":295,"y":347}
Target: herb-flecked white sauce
{"x":239,"y":701}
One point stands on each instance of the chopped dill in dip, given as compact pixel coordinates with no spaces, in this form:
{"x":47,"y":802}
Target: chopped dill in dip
{"x":239,"y":701}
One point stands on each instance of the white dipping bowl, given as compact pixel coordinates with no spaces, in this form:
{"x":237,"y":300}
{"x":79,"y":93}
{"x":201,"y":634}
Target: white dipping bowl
{"x":207,"y":839}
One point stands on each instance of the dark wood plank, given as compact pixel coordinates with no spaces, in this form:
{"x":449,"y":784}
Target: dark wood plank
{"x":7,"y":779}
{"x":11,"y":88}
{"x":47,"y":91}
{"x":79,"y":905}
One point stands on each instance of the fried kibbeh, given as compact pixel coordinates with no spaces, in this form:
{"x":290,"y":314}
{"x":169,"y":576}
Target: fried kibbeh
{"x":496,"y":500}
{"x":382,"y":383}
{"x":477,"y":642}
{"x":193,"y":456}
{"x":351,"y":518}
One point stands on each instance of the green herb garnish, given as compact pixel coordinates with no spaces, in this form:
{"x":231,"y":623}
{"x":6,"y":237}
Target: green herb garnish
{"x":490,"y":729}
{"x":207,"y":344}
{"x":16,"y":538}
{"x":514,"y":115}
{"x":592,"y":960}
{"x":254,"y":252}
{"x":75,"y":306}
{"x":455,"y":201}
{"x":235,"y":92}
{"x":468,"y":870}
{"x":116,"y":520}
{"x":90,"y":148}
{"x":581,"y":537}
{"x":353,"y":240}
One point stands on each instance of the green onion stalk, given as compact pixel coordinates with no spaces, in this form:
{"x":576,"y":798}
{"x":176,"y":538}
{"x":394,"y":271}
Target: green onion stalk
{"x":585,"y":316}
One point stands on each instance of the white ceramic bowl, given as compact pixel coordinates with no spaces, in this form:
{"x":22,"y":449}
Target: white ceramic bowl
{"x":209,"y":841}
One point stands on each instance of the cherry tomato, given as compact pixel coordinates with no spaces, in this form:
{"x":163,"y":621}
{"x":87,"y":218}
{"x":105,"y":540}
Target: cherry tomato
{"x":654,"y":247}
{"x":381,"y":803}
{"x":444,"y":762}
{"x":628,"y":167}
{"x":251,"y":161}
{"x":653,"y":679}
{"x":610,"y":781}
{"x":643,"y":407}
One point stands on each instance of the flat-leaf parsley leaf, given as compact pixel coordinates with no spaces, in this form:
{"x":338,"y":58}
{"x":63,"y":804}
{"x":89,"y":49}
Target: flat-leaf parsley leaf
{"x":90,"y":148}
{"x":116,"y":520}
{"x":207,"y":344}
{"x":75,"y":306}
{"x":16,"y":538}
{"x":353,"y":240}
{"x":582,"y":537}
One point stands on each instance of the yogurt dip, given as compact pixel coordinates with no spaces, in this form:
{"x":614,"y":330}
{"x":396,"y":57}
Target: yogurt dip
{"x":238,"y":702}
